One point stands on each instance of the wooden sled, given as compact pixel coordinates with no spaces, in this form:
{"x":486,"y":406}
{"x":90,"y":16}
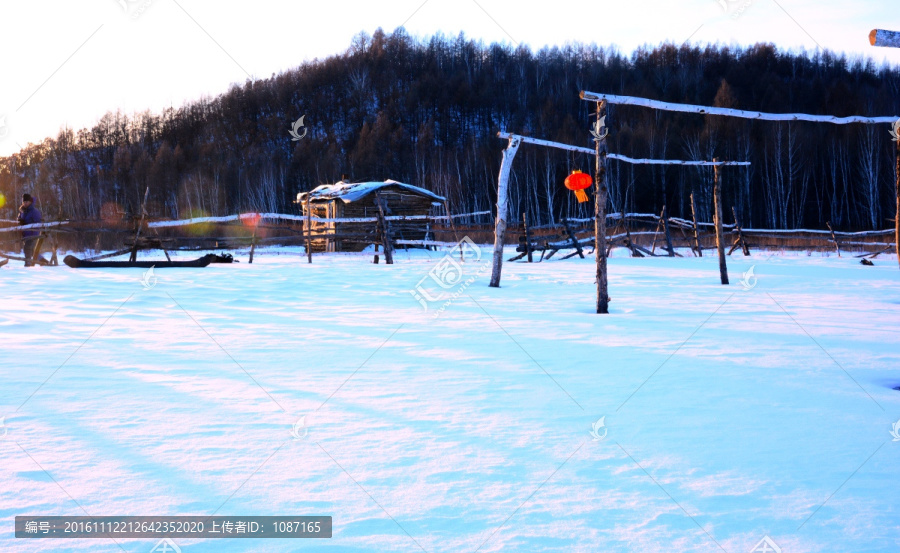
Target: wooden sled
{"x":76,"y":263}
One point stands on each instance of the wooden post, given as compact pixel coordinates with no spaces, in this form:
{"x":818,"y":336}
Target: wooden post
{"x":739,"y":241}
{"x":527,"y":238}
{"x":573,"y":238}
{"x":656,"y":232}
{"x":453,"y":228}
{"x":253,"y":239}
{"x":54,"y":261}
{"x":161,"y":246}
{"x":502,"y":207}
{"x":140,"y":226}
{"x":669,"y":247}
{"x":697,"y":247}
{"x":837,"y":246}
{"x":308,"y":230}
{"x":385,"y":232}
{"x":36,"y":258}
{"x":897,"y":215}
{"x":600,"y":218}
{"x":720,"y":240}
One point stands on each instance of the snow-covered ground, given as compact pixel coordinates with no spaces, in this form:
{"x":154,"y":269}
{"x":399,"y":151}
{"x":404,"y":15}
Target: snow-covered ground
{"x":730,"y":413}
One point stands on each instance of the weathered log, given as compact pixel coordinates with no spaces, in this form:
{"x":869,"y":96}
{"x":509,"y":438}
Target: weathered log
{"x":669,"y":247}
{"x":502,"y":207}
{"x":140,"y":226}
{"x":697,"y":247}
{"x":308,"y":231}
{"x":108,"y":255}
{"x":897,"y":195}
{"x":600,"y":217}
{"x":656,"y":232}
{"x":720,"y":240}
{"x":54,"y":243}
{"x":527,"y":238}
{"x":886,"y":39}
{"x":617,"y":157}
{"x":635,"y":250}
{"x":385,"y":231}
{"x":706,"y":110}
{"x":739,"y":241}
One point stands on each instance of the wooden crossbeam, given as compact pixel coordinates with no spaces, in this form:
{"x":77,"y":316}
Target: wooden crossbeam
{"x":617,"y":157}
{"x":744,"y":114}
{"x":887,"y":39}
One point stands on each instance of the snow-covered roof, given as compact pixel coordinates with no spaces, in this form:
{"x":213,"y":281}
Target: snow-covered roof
{"x":353,"y":191}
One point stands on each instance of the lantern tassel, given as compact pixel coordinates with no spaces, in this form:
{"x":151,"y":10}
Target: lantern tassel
{"x":581,"y":196}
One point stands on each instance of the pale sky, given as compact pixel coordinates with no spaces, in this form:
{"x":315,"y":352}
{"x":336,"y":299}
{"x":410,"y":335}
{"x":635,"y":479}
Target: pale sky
{"x":68,"y":62}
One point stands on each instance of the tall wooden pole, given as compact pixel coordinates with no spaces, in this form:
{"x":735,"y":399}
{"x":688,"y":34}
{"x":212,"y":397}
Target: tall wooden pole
{"x":720,"y":240}
{"x":308,"y":230}
{"x":502,"y":207}
{"x":897,"y":215}
{"x":600,"y":218}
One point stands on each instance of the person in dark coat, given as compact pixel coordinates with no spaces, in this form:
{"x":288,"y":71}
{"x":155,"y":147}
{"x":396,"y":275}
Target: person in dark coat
{"x":29,"y":215}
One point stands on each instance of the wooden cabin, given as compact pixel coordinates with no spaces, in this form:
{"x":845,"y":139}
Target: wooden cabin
{"x":360,"y":200}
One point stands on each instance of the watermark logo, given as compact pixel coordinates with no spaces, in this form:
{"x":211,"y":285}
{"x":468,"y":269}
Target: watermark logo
{"x":166,"y":545}
{"x":766,"y":545}
{"x":735,"y":8}
{"x":148,"y":279}
{"x":895,"y":131}
{"x":4,"y":431}
{"x":600,"y":131}
{"x":134,"y":8}
{"x":598,"y":429}
{"x":895,"y":432}
{"x":298,"y":124}
{"x":748,"y":280}
{"x":300,"y":431}
{"x":448,"y":275}
{"x":4,"y":126}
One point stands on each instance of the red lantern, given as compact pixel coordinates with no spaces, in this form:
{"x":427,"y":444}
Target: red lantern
{"x":577,"y":182}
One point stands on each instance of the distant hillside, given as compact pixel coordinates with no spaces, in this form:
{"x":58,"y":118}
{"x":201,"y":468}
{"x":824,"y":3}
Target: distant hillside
{"x":427,"y":112}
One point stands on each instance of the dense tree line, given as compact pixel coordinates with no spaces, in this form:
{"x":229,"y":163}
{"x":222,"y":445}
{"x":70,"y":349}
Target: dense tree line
{"x":427,"y":112}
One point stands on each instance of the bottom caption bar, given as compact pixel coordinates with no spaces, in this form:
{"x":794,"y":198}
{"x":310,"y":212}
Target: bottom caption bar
{"x":174,"y":527}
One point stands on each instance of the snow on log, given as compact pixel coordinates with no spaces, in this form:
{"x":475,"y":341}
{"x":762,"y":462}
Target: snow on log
{"x":888,"y":39}
{"x":502,"y":207}
{"x":706,"y":110}
{"x":34,"y":226}
{"x":633,"y":161}
{"x":618,"y":157}
{"x":285,"y":216}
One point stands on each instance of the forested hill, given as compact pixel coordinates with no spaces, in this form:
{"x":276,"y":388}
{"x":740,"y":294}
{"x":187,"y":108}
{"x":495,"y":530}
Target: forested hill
{"x":427,"y":112}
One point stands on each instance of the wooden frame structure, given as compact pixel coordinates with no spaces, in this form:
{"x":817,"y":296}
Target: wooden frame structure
{"x":887,"y":38}
{"x":600,"y":248}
